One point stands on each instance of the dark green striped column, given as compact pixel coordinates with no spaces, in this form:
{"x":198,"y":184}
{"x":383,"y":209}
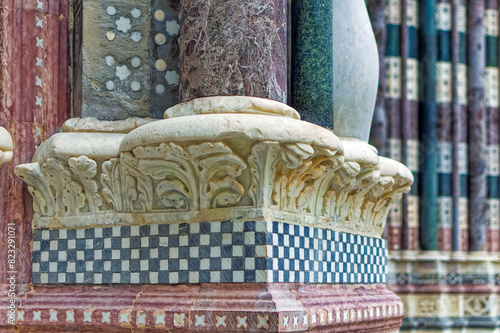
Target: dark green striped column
{"x":428,"y":135}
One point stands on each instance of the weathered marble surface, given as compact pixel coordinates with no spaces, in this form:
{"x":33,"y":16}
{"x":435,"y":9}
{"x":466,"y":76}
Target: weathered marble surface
{"x":228,"y":104}
{"x":312,"y":61}
{"x":91,"y":124}
{"x":233,"y":48}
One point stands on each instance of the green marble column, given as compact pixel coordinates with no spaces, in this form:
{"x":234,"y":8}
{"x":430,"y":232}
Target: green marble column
{"x":312,"y":60}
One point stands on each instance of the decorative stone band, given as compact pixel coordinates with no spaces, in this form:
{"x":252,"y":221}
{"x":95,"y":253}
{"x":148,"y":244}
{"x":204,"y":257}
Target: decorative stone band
{"x":216,"y":166}
{"x":207,"y":252}
{"x":462,"y":324}
{"x":447,"y":290}
{"x":211,"y":307}
{"x":6,"y":146}
{"x":436,"y":272}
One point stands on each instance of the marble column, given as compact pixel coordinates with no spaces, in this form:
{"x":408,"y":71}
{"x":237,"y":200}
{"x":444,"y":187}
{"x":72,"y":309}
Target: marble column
{"x":233,"y":48}
{"x":312,"y":61}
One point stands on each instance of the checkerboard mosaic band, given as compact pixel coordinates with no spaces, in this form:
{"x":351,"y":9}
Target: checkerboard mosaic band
{"x":207,"y":252}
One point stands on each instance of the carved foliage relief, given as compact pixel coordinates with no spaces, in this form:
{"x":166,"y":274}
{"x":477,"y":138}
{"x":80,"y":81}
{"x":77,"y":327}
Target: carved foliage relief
{"x":290,"y":177}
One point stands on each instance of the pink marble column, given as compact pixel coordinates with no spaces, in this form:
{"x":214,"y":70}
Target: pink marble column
{"x":34,"y":102}
{"x":233,"y":48}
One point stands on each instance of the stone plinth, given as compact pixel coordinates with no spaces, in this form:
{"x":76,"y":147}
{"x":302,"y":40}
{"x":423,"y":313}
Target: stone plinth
{"x":241,"y":216}
{"x":283,"y":307}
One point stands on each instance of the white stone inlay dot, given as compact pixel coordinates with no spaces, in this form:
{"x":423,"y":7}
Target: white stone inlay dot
{"x":135,"y":86}
{"x":160,"y":65}
{"x":122,"y":72}
{"x":110,"y":61}
{"x":160,"y":89}
{"x":136,"y":37}
{"x":111,"y":10}
{"x":135,"y":62}
{"x":123,"y":24}
{"x":136,"y":13}
{"x":110,"y":85}
{"x":160,"y":39}
{"x":159,"y":15}
{"x":172,"y":78}
{"x":173,"y":27}
{"x":110,"y":35}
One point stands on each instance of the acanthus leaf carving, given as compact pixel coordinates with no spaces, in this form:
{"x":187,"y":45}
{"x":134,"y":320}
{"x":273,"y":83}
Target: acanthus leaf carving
{"x":111,"y":185}
{"x":58,"y":177}
{"x":262,"y":162}
{"x":170,"y":164}
{"x":197,"y":177}
{"x":289,"y":176}
{"x":39,"y":187}
{"x":138,"y":187}
{"x":73,"y":198}
{"x":219,"y":169}
{"x":86,"y":169}
{"x":292,"y":177}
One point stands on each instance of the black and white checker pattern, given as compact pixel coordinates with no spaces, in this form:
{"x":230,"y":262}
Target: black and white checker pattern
{"x":223,"y":251}
{"x":316,"y":255}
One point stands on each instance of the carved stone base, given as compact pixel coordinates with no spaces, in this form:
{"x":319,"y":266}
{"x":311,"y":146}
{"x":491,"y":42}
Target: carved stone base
{"x":235,"y":198}
{"x":274,"y":307}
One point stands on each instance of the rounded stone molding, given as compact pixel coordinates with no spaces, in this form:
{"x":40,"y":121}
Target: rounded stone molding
{"x":6,"y":146}
{"x":231,"y":104}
